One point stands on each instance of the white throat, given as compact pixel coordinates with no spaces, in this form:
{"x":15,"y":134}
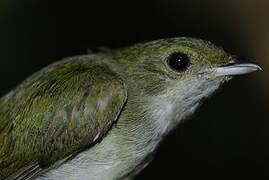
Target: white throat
{"x":179,"y":102}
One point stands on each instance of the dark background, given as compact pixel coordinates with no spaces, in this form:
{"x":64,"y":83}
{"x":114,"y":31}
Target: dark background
{"x":227,"y":138}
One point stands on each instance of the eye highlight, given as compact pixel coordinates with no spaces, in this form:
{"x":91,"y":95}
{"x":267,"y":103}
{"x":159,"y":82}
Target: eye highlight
{"x":178,"y":61}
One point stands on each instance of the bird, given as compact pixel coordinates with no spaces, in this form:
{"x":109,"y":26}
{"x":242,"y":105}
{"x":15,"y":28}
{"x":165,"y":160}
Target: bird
{"x":103,"y":115}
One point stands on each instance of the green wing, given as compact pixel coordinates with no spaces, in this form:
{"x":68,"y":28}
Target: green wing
{"x":57,"y":112}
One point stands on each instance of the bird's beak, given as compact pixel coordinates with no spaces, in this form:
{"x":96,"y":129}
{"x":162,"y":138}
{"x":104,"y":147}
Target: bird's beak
{"x":240,"y":66}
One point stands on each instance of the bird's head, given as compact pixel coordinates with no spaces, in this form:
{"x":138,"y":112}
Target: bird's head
{"x":157,"y":65}
{"x":175,"y":74}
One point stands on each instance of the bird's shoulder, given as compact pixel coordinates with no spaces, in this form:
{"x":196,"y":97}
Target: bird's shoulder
{"x":60,"y":110}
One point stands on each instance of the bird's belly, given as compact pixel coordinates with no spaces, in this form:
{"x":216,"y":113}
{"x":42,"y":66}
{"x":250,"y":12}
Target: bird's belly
{"x":106,"y":160}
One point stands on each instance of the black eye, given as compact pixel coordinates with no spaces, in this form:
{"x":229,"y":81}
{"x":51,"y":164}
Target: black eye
{"x":178,"y":61}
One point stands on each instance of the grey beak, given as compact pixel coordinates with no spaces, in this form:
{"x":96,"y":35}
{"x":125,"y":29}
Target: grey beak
{"x":241,"y":66}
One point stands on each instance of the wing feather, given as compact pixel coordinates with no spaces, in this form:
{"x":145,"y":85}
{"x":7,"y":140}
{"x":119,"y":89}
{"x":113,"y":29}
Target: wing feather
{"x":64,"y":108}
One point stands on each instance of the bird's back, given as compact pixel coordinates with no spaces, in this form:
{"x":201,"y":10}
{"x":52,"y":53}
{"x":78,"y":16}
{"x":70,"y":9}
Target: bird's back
{"x":58,"y":111}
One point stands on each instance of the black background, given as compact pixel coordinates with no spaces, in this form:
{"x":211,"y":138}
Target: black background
{"x":226,"y":138}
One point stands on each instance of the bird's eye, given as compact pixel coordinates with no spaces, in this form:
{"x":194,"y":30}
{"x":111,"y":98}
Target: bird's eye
{"x":178,"y":61}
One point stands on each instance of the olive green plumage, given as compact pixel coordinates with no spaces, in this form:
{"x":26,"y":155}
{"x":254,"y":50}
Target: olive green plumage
{"x":109,"y":109}
{"x":56,"y":112}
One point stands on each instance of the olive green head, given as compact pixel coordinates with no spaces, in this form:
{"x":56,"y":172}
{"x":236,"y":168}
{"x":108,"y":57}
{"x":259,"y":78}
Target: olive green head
{"x":156,"y":63}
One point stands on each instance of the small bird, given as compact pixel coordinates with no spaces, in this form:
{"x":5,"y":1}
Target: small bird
{"x":102,"y":116}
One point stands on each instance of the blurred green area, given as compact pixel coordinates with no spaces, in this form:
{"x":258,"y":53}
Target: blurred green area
{"x":228,"y":136}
